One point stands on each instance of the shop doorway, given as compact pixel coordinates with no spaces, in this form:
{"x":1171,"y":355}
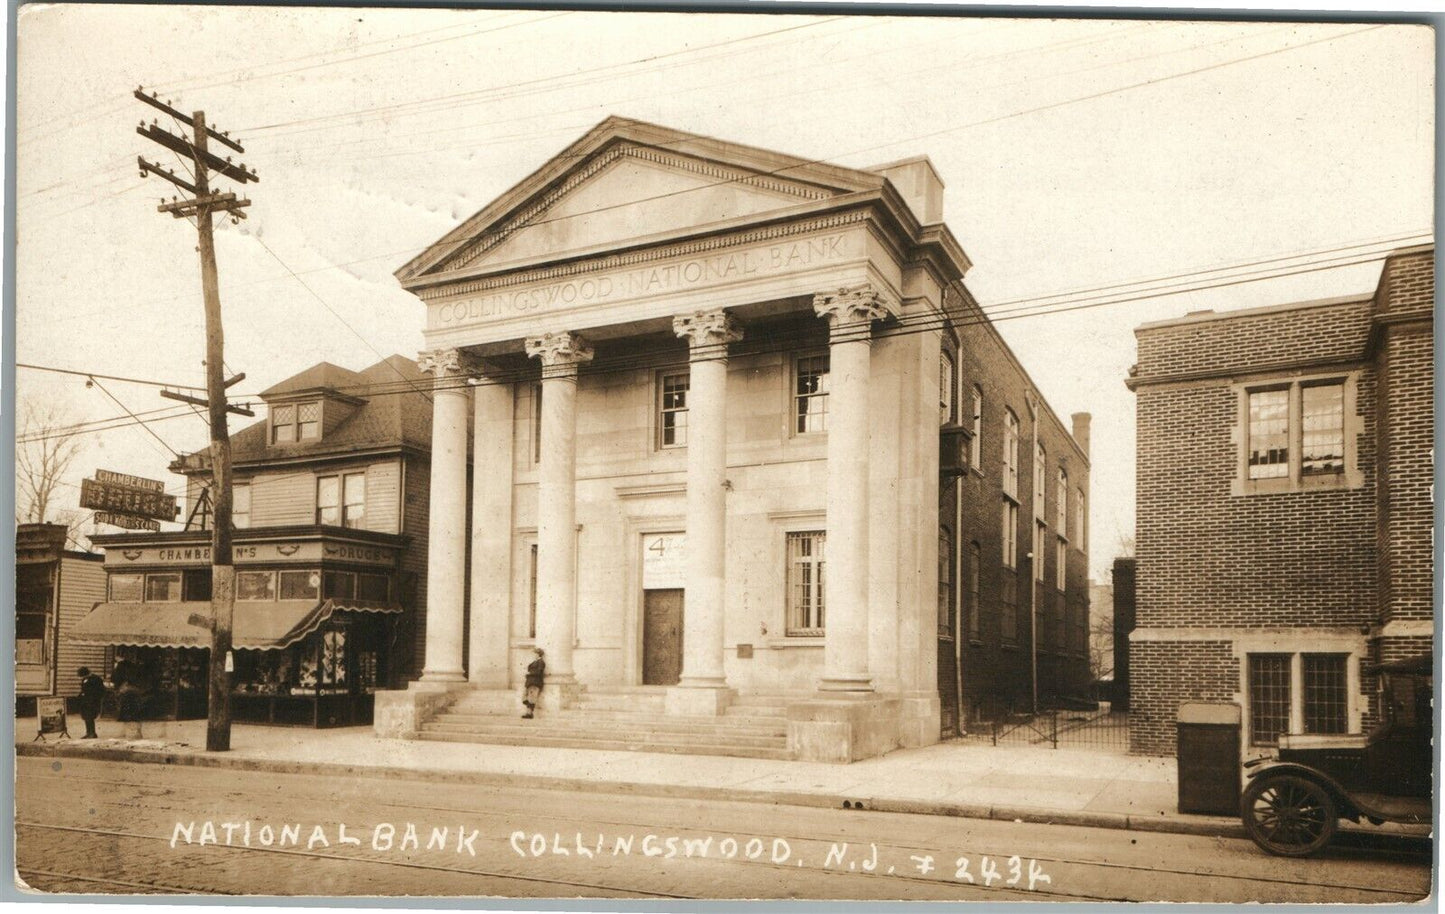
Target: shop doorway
{"x":661,"y":636}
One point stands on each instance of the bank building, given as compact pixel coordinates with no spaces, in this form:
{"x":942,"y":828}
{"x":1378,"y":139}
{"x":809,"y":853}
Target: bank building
{"x":723,"y":432}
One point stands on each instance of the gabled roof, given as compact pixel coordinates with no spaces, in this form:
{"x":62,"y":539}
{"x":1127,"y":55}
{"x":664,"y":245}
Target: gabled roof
{"x":393,"y":412}
{"x":713,"y":164}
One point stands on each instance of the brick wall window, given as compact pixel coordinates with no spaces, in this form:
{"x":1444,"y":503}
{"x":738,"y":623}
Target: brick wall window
{"x":1081,"y":518}
{"x":1294,"y":693}
{"x":1008,"y":619}
{"x":1061,"y":564}
{"x":945,"y":583}
{"x":806,"y":566}
{"x":810,"y":394}
{"x":1041,"y":475}
{"x":946,"y":384}
{"x":1040,"y":533}
{"x":971,"y":570}
{"x":1297,"y":435}
{"x":1010,"y":454}
{"x":1061,"y":505}
{"x":672,"y":409}
{"x":1009,"y":531}
{"x":975,"y":447}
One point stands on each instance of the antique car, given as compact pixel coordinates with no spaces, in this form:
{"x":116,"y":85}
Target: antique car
{"x":1293,"y":804}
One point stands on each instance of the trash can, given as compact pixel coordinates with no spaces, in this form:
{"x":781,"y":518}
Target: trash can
{"x":1209,"y":758}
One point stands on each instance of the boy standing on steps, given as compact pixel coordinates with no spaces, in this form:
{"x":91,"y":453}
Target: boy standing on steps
{"x":536,"y":670}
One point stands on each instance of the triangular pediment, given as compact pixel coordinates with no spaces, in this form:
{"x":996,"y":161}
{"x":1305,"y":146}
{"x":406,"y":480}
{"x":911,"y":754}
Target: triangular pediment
{"x":627,"y":182}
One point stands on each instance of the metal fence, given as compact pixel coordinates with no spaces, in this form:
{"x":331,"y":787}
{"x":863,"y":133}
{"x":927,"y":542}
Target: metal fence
{"x":1100,"y":728}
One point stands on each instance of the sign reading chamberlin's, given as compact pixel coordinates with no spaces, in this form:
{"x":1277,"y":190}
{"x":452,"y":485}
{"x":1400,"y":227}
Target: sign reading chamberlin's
{"x":655,"y":279}
{"x":309,"y":551}
{"x":114,"y":492}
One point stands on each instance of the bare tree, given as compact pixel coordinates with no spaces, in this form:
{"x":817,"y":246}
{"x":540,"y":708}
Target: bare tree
{"x":46,"y":444}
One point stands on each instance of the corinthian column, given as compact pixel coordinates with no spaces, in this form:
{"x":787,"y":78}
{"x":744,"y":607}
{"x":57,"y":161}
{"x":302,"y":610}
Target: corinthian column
{"x":447,"y":518}
{"x":850,"y":313}
{"x":708,"y":334}
{"x":560,"y":354}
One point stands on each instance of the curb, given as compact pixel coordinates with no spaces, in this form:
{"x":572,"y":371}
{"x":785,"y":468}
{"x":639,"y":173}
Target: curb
{"x":1194,"y":825}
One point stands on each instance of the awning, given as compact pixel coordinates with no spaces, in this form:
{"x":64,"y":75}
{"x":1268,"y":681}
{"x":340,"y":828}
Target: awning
{"x":256,"y":625}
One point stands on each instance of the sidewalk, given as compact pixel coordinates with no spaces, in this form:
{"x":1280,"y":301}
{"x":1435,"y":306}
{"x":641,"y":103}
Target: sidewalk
{"x":960,"y":778}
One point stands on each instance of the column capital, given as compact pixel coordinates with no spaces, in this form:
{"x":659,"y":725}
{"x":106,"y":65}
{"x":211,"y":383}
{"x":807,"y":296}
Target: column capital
{"x":851,"y":305}
{"x":443,"y":364}
{"x":708,"y":332}
{"x":560,"y":353}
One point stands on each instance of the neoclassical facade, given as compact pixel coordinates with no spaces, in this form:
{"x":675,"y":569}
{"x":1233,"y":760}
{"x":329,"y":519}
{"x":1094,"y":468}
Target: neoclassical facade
{"x":686,"y":437}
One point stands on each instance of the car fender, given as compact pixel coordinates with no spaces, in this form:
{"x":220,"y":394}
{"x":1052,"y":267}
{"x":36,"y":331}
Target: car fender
{"x":1346,"y":806}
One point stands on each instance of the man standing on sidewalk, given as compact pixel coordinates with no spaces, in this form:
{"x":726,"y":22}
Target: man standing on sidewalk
{"x":536,"y":670}
{"x":92,"y":698}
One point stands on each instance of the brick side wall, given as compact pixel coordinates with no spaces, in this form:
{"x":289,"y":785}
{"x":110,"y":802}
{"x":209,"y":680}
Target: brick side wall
{"x":1167,"y":674}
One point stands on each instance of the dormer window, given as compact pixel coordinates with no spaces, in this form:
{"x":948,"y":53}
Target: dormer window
{"x":293,"y":422}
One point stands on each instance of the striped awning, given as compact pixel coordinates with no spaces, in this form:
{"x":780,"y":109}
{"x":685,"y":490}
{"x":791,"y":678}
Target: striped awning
{"x":256,"y":625}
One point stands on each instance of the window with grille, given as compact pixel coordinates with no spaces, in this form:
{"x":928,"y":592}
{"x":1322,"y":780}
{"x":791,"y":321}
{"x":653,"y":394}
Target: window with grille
{"x":1061,"y":564}
{"x":945,"y":388}
{"x":973,"y":608}
{"x":1039,"y":568}
{"x":1269,"y":697}
{"x":1009,"y":531}
{"x":283,"y":424}
{"x":810,"y":394}
{"x":308,"y":421}
{"x":806,"y":565}
{"x":672,"y":410}
{"x":975,"y":447}
{"x":291,"y":422}
{"x":1326,"y":699}
{"x":1268,"y":434}
{"x":1040,"y":481}
{"x":1010,"y":454}
{"x":945,"y":583}
{"x":1061,"y":505}
{"x":1322,"y":446}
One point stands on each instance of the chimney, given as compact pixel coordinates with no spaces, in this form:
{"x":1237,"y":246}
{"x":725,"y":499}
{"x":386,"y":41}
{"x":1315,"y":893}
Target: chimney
{"x":1081,"y":430}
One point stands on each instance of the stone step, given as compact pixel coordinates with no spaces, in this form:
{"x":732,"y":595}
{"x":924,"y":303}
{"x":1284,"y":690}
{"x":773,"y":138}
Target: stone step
{"x":574,"y":742}
{"x":525,"y":728}
{"x":779,"y":711}
{"x":574,"y":718}
{"x":620,"y":702}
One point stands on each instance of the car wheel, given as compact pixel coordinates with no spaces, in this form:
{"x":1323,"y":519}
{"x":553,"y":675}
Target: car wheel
{"x":1289,"y":815}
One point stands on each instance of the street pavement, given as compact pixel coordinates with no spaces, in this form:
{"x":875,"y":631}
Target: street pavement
{"x":93,"y":826}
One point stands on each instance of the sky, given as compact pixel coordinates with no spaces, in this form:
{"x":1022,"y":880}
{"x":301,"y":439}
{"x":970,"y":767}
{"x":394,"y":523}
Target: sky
{"x":1077,"y":155}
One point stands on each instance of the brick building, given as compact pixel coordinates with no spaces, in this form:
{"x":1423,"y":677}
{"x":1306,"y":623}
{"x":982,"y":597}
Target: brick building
{"x":1284,"y":508}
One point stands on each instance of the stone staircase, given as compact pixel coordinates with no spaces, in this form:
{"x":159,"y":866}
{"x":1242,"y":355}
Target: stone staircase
{"x":617,"y":718}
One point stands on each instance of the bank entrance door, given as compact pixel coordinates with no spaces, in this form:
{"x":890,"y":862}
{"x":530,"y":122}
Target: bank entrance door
{"x":661,"y":637}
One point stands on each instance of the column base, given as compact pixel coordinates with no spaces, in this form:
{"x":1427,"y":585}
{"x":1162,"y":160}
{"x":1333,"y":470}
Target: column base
{"x":399,"y":713}
{"x":845,"y":729}
{"x":846,"y":684}
{"x":698,"y":698}
{"x":558,"y":692}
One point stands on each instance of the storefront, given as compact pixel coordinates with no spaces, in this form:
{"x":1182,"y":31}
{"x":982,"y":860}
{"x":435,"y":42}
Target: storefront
{"x":318,"y":617}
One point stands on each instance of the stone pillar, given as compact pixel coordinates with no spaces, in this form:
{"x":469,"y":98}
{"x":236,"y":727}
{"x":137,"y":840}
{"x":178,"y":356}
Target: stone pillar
{"x":447,"y":520}
{"x":708,"y":334}
{"x":850,"y":313}
{"x":561,"y":354}
{"x":491,"y":603}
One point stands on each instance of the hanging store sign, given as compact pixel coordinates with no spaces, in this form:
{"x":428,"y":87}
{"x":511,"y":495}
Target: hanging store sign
{"x":127,"y":522}
{"x":137,"y":501}
{"x":112,"y":478}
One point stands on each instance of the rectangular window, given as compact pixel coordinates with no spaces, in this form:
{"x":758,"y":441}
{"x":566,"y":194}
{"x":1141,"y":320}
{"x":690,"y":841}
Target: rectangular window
{"x":1061,"y":564}
{"x":945,"y":387}
{"x":1081,"y":519}
{"x":1038,"y":551}
{"x":373,"y":587}
{"x":127,"y":588}
{"x":283,"y":424}
{"x":196,"y":584}
{"x":353,"y":511}
{"x":1010,"y":454}
{"x":308,"y":421}
{"x":1009,"y":524}
{"x":328,"y":500}
{"x":975,"y":447}
{"x":1268,"y":434}
{"x":340,"y":585}
{"x":163,"y":587}
{"x":973,"y":608}
{"x":1008,"y":621}
{"x":301,"y":585}
{"x":810,"y":394}
{"x":536,"y":423}
{"x":1322,"y":448}
{"x":241,"y":506}
{"x":672,"y":410}
{"x":34,"y":596}
{"x":945,"y":583}
{"x":1269,"y":698}
{"x":255,"y":585}
{"x":1041,"y":463}
{"x":1061,"y":508}
{"x":1326,"y":699}
{"x":806,"y":567}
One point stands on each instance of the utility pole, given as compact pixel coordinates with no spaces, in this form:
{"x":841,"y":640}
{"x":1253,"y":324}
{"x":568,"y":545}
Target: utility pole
{"x":202,"y":205}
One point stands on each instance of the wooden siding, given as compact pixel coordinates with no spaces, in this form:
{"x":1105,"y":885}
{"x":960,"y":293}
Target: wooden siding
{"x":283,"y":498}
{"x":383,"y":497}
{"x":81,"y":585}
